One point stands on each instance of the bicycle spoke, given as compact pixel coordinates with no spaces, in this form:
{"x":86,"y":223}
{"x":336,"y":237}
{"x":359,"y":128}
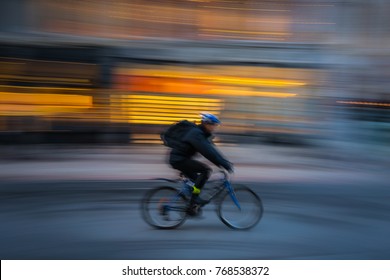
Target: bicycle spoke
{"x":164,"y":208}
{"x":240,"y":210}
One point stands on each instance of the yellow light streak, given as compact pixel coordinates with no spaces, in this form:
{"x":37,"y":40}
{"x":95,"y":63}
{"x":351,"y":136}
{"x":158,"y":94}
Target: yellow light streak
{"x":219,"y":79}
{"x":147,"y":110}
{"x":156,"y":118}
{"x":156,"y":109}
{"x":263,"y":82}
{"x":233,"y":92}
{"x":45,"y":99}
{"x":151,"y":122}
{"x":45,"y":88}
{"x":182,"y":103}
{"x":161,"y":106}
{"x":35,"y":110}
{"x":173,"y":98}
{"x":164,"y":115}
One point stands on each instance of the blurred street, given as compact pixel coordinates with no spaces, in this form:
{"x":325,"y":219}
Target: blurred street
{"x":273,"y":163}
{"x":83,"y":203}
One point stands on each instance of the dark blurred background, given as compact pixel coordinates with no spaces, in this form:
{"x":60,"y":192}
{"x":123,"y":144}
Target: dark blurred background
{"x":289,"y":71}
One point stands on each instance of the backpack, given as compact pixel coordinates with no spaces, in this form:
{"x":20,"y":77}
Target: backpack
{"x":173,"y":136}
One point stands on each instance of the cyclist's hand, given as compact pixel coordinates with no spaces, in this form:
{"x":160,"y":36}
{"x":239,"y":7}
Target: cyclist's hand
{"x":230,"y":168}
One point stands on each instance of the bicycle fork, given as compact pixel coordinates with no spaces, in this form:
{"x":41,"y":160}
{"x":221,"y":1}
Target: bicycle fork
{"x":232,"y":194}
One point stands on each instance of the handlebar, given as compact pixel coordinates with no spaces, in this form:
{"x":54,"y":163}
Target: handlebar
{"x":226,"y":175}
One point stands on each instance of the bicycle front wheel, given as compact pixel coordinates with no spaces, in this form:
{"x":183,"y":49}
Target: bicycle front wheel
{"x":164,"y":208}
{"x":245,"y":213}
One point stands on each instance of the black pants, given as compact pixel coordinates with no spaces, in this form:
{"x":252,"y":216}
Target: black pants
{"x":197,"y":171}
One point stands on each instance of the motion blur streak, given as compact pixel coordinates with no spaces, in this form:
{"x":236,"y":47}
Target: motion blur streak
{"x":146,"y":109}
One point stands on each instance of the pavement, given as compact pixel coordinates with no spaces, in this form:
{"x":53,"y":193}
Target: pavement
{"x":253,"y":163}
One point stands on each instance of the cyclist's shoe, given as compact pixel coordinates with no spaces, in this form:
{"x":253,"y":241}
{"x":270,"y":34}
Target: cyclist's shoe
{"x":191,"y":191}
{"x":195,"y":190}
{"x":194,"y":210}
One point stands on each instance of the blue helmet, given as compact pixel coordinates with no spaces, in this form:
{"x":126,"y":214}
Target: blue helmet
{"x":210,"y":118}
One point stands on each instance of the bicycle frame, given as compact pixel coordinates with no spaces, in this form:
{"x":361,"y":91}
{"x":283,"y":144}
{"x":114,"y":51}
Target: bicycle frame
{"x":231,"y":192}
{"x":224,"y":185}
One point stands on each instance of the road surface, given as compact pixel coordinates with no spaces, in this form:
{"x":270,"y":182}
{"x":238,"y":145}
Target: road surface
{"x":101,"y":220}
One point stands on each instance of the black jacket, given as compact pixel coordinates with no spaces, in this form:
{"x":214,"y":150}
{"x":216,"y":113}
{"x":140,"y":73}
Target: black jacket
{"x":199,"y":140}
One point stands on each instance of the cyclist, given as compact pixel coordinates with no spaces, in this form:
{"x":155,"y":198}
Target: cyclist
{"x":198,"y":140}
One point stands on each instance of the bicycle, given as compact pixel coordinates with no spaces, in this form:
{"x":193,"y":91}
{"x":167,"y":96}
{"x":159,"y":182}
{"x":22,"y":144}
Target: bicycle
{"x":167,"y":207}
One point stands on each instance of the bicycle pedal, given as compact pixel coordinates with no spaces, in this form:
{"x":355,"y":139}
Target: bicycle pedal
{"x":194,"y":210}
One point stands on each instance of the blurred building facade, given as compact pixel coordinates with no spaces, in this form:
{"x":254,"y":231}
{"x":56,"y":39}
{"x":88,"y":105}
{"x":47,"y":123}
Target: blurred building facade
{"x":286,"y":70}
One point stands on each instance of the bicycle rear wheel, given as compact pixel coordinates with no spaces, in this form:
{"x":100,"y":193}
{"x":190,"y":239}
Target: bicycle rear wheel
{"x":245,"y":217}
{"x":164,"y":208}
